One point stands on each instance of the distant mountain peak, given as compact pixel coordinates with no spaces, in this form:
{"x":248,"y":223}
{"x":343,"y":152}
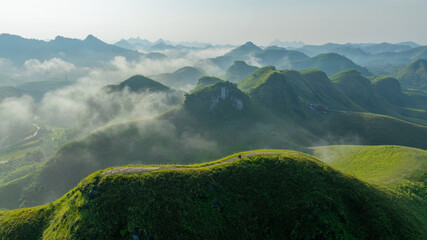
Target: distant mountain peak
{"x":160,"y":41}
{"x":138,"y":83}
{"x":90,"y":37}
{"x":249,"y":44}
{"x":59,"y":38}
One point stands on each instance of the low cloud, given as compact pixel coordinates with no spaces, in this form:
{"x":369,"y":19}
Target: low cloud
{"x":54,"y":65}
{"x":16,"y":116}
{"x":83,"y":105}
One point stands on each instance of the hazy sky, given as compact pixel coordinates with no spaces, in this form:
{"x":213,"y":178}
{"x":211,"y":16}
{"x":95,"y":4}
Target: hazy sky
{"x":219,"y":21}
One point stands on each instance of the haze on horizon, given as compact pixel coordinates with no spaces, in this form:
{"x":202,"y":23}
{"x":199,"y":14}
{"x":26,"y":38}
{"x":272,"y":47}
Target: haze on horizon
{"x":220,"y":21}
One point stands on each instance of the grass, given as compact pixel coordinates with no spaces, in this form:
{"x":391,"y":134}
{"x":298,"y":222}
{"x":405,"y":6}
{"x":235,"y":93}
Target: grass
{"x":401,"y":169}
{"x":414,"y":76}
{"x":388,"y":165}
{"x":289,"y":195}
{"x":330,"y":63}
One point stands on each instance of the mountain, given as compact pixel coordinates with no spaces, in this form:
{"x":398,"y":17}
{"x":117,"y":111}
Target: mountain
{"x":330,"y":63}
{"x":181,"y":77}
{"x":399,"y":58}
{"x":410,"y":44}
{"x":138,"y":83}
{"x":290,"y":90}
{"x":279,"y":57}
{"x":286,"y":44}
{"x":361,"y":91}
{"x":389,"y":89}
{"x":134,"y":44}
{"x":255,"y":78}
{"x":162,"y":45}
{"x":313,"y":50}
{"x":381,"y":58}
{"x":224,"y":99}
{"x":356,"y":54}
{"x":125,"y":44}
{"x":238,"y":71}
{"x":385,"y":47}
{"x":88,"y":52}
{"x":414,"y":76}
{"x":265,"y":195}
{"x":242,"y":53}
{"x":206,"y":81}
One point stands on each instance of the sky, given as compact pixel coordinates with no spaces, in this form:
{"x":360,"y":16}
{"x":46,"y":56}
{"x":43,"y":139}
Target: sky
{"x":219,"y":21}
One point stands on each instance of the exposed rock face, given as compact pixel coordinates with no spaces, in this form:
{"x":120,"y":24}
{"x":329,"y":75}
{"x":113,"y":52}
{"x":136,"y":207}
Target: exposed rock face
{"x":221,"y":99}
{"x":236,"y":102}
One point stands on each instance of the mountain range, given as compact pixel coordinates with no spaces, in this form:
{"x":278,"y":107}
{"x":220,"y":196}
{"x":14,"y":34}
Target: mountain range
{"x":88,"y":52}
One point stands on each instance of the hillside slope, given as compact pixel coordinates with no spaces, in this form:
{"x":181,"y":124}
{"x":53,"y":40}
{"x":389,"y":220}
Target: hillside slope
{"x":361,"y":91}
{"x":238,"y":71}
{"x":181,"y":77}
{"x":330,"y":63}
{"x":266,"y":195}
{"x":388,"y":165}
{"x":138,"y":83}
{"x":414,"y":76}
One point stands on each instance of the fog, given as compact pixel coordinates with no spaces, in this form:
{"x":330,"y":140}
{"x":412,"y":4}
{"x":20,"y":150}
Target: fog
{"x":83,"y":106}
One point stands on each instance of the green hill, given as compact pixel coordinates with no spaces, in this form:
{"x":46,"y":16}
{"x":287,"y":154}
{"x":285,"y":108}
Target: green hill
{"x":400,"y":168}
{"x":414,"y":76}
{"x":220,"y":100}
{"x":206,"y":81}
{"x":389,"y":89}
{"x":279,"y":57}
{"x":266,"y":195}
{"x":138,"y":83}
{"x":387,"y":165}
{"x":295,"y":89}
{"x":181,"y":77}
{"x":256,"y":78}
{"x":330,"y":63}
{"x":238,"y":71}
{"x":361,"y":91}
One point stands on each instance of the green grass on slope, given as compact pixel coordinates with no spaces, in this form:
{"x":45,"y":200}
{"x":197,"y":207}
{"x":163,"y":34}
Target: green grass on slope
{"x":255,"y":79}
{"x":414,"y":76}
{"x":402,"y":169}
{"x":289,"y":195}
{"x":388,"y":165}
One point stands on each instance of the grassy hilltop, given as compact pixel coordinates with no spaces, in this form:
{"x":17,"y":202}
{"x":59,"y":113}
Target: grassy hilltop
{"x":268,"y":194}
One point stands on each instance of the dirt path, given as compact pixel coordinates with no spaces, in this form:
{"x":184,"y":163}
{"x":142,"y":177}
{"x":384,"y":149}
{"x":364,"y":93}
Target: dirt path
{"x":147,"y":169}
{"x":32,"y":135}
